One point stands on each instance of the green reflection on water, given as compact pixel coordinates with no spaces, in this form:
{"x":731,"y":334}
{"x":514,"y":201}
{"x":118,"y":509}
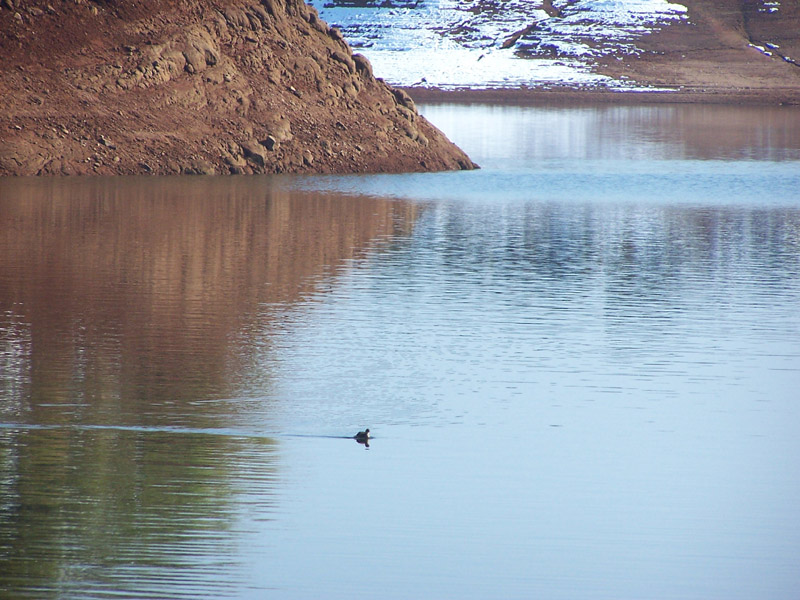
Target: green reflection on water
{"x":136,"y":511}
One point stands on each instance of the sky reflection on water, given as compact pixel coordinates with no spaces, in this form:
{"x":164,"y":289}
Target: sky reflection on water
{"x":673,"y":154}
{"x":585,"y":393}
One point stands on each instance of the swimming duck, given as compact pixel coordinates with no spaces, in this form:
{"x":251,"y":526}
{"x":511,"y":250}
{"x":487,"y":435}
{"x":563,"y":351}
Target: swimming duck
{"x":362,"y":436}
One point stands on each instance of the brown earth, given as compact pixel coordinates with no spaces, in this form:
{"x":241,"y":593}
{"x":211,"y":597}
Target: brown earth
{"x":715,"y":53}
{"x":198,"y":86}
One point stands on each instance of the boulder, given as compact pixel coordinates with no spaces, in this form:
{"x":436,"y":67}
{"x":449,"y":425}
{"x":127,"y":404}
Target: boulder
{"x":254,"y":152}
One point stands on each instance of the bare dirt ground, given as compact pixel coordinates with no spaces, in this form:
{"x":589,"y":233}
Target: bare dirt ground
{"x":197,"y":86}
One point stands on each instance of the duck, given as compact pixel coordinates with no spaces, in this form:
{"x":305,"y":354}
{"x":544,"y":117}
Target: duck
{"x":362,"y":436}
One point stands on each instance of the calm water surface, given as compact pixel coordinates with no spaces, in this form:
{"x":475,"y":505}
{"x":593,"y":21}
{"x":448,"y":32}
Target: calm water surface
{"x":580,"y":364}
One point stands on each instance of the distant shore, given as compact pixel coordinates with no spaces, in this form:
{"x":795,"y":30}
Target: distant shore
{"x":576,"y":96}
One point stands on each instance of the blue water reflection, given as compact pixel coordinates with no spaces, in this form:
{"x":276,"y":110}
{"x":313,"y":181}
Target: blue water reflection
{"x":582,"y":370}
{"x":656,"y":154}
{"x":580,"y":365}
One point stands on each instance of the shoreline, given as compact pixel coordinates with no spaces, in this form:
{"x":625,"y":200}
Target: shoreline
{"x":568,"y":95}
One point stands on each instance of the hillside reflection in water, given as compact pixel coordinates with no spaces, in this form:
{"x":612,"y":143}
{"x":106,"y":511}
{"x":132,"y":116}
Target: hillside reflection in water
{"x":581,"y":383}
{"x":131,"y":312}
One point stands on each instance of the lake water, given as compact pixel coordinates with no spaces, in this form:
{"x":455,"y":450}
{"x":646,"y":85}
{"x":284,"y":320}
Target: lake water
{"x":580,"y":365}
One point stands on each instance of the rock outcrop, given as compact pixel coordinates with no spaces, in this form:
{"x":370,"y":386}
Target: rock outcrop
{"x":200,"y":87}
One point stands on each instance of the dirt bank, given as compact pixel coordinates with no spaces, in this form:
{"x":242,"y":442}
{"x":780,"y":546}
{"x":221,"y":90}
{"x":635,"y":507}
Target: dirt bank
{"x":725,"y":51}
{"x":197,"y":86}
{"x":567,"y":95}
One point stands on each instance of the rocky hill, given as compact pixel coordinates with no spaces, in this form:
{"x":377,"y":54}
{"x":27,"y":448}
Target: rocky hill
{"x":198,"y":86}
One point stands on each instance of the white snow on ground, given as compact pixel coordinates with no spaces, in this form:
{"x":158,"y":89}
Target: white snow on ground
{"x":460,"y":43}
{"x":769,"y":7}
{"x":454,"y":67}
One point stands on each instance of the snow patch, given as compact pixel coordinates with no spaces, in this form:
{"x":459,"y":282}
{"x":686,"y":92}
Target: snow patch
{"x":762,"y":49}
{"x":769,"y":7}
{"x":486,"y":43}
